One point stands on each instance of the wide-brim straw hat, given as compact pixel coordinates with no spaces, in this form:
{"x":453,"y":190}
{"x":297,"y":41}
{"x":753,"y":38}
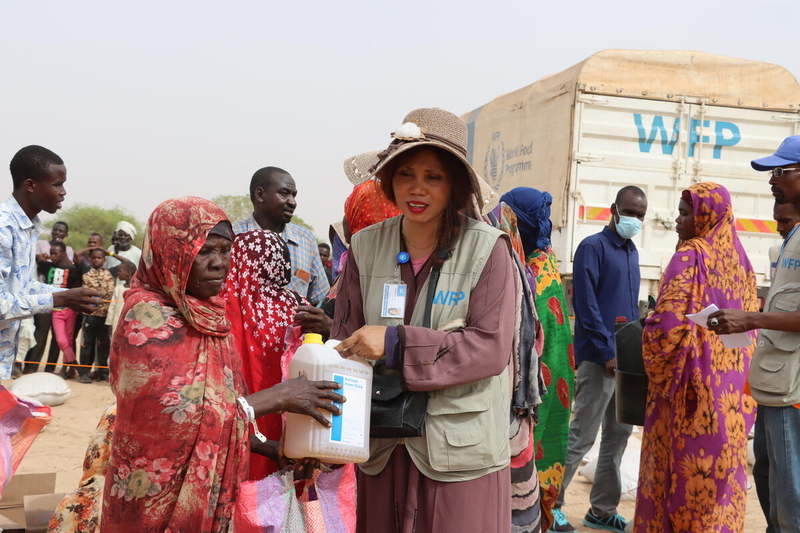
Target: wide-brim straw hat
{"x":428,"y":126}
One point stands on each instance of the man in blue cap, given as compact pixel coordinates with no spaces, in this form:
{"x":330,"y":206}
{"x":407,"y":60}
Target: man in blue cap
{"x":775,"y":369}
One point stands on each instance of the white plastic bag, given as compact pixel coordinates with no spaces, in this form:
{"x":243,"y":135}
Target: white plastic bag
{"x":629,"y":469}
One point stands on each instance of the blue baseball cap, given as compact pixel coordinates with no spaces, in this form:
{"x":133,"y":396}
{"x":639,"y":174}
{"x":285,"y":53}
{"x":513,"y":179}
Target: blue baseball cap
{"x":788,"y":153}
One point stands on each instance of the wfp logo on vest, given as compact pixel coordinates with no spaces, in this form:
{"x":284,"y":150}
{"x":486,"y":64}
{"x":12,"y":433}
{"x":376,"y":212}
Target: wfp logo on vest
{"x":790,"y":263}
{"x":725,"y":134}
{"x":449,"y":297}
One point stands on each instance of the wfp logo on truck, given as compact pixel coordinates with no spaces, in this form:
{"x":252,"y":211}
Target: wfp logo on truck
{"x":725,"y":134}
{"x":494,"y":160}
{"x":500,"y":161}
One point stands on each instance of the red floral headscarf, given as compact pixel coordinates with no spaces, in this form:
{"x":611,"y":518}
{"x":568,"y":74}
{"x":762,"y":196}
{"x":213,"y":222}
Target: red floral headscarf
{"x":367,"y":205}
{"x":175,"y":232}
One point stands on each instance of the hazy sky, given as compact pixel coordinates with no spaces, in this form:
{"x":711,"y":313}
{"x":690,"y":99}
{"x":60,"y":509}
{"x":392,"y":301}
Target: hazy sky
{"x":150,"y":100}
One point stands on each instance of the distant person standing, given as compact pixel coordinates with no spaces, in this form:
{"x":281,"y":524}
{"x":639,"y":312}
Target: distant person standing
{"x":125,"y":233}
{"x":96,"y":336}
{"x":605,"y":286}
{"x":273,"y":193}
{"x":95,"y":240}
{"x":38,"y":175}
{"x":325,"y":257}
{"x":60,"y":272}
{"x":43,"y":322}
{"x":125,"y":272}
{"x":59,"y":232}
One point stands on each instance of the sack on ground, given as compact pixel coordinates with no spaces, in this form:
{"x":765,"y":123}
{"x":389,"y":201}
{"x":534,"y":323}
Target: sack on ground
{"x":44,"y":387}
{"x":629,"y":473}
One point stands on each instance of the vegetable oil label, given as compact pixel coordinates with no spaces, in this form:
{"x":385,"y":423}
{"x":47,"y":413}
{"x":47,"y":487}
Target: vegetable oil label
{"x":349,"y":427}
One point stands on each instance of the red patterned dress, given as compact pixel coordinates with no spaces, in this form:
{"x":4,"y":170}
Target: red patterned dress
{"x":180,"y":444}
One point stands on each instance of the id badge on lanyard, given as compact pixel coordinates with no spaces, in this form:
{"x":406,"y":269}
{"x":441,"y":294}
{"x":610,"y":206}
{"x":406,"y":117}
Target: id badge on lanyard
{"x":394,"y":292}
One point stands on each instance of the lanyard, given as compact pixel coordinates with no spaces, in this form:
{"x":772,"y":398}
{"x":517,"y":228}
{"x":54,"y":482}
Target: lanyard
{"x":394,"y":292}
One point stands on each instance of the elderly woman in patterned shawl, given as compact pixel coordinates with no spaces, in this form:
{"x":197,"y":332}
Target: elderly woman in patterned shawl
{"x":180,"y":445}
{"x":694,"y":450}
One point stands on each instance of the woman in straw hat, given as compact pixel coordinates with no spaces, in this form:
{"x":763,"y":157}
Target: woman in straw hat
{"x":431,"y":295}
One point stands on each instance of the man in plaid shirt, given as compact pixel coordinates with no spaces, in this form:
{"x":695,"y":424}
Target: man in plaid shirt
{"x":273,"y":193}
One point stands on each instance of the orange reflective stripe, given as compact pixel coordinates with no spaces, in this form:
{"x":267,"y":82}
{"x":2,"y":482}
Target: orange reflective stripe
{"x":746,"y":225}
{"x":754,"y":225}
{"x":586,"y":212}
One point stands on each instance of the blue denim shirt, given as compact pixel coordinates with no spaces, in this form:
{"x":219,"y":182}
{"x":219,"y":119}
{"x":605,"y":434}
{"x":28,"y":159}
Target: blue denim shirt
{"x":21,"y":294}
{"x":605,"y":286}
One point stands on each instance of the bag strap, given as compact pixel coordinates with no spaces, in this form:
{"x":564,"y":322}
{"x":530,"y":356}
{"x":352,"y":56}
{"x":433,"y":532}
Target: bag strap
{"x":432,"y":283}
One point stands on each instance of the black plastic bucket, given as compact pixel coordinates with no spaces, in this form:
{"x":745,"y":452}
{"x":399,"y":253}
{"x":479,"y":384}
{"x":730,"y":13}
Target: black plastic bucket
{"x":631,"y":379}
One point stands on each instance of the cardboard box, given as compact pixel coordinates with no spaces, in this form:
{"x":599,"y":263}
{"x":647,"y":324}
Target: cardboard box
{"x":28,"y":502}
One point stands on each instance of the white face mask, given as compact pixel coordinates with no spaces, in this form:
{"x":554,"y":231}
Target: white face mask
{"x":628,"y":227}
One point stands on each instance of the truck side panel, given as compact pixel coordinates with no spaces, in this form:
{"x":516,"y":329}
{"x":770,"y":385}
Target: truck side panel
{"x":665,"y":147}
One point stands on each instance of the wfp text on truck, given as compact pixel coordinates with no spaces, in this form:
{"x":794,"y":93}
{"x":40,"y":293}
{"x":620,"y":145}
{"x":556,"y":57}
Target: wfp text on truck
{"x":658,"y":120}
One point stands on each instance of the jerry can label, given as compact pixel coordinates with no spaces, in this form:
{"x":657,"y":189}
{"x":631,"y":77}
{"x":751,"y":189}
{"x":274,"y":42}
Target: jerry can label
{"x":350,"y":426}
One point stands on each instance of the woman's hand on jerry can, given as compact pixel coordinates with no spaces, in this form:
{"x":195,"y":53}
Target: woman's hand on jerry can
{"x":367,"y":342}
{"x":301,"y":396}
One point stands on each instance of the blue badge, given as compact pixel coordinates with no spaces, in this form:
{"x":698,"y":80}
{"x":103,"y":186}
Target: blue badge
{"x":403,"y":258}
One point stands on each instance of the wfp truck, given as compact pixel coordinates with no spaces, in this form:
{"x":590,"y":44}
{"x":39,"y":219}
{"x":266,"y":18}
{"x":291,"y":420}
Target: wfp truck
{"x":659,"y":120}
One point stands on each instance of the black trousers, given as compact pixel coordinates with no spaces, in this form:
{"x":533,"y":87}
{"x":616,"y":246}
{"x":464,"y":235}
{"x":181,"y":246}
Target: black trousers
{"x":96,"y":344}
{"x":43,"y":324}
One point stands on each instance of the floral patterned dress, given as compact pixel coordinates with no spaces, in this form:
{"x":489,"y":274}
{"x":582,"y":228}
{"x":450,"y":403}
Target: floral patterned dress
{"x":558,"y":373}
{"x":693,"y":475}
{"x":180,"y":447}
{"x":79,"y":512}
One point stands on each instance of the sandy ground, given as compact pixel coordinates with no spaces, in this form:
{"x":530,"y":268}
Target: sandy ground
{"x":61,"y":446}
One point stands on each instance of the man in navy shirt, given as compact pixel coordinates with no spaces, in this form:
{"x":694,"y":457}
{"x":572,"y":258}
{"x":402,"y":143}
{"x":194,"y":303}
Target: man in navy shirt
{"x":605,"y":286}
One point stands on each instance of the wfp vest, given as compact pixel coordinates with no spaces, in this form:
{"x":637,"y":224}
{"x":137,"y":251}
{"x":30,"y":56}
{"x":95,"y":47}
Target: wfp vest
{"x":466,"y":426}
{"x":775,"y":370}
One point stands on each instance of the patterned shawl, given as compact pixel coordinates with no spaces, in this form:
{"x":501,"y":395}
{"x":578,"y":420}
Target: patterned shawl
{"x":527,"y":388}
{"x":713,"y":267}
{"x":694,"y":454}
{"x":180,"y":443}
{"x":260,"y":310}
{"x":532,"y":208}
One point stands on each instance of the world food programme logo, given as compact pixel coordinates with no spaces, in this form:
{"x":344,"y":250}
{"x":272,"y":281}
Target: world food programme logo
{"x":494,"y":161}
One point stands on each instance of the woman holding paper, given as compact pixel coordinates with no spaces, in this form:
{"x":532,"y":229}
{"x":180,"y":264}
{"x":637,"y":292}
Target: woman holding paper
{"x":694,"y":449}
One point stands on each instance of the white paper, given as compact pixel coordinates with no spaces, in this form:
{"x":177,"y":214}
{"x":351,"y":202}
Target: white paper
{"x":735,"y":340}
